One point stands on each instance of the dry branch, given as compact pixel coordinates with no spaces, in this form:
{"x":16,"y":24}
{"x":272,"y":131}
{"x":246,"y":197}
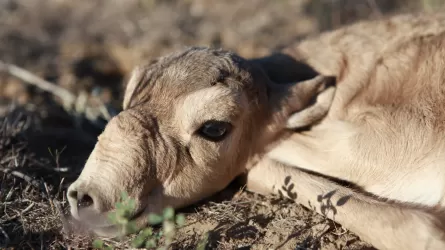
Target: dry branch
{"x":19,"y":214}
{"x":30,"y":78}
{"x":71,"y":102}
{"x":65,"y":224}
{"x":23,"y":176}
{"x":7,"y":239}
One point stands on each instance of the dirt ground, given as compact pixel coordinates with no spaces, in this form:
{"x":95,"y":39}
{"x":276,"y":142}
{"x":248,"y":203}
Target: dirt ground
{"x":89,"y":49}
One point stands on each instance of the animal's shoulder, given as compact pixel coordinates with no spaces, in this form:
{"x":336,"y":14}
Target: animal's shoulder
{"x":330,"y":51}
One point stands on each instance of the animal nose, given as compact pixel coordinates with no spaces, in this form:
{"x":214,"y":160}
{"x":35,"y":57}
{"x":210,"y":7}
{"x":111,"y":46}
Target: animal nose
{"x":80,"y":200}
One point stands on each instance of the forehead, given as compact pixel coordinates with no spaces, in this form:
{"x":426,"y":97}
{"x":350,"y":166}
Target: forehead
{"x":182,"y":74}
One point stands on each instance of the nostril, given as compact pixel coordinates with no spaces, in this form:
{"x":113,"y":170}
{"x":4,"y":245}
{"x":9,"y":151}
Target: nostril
{"x":85,"y":201}
{"x":72,"y":194}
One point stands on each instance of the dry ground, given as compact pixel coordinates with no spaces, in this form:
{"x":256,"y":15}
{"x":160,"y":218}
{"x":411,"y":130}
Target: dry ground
{"x":88,"y":48}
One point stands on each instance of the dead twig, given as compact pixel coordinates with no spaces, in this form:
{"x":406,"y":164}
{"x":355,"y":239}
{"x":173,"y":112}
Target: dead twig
{"x":10,"y":193}
{"x":65,"y":224}
{"x":30,"y":78}
{"x":19,"y":214}
{"x":5,"y":203}
{"x":7,"y":239}
{"x":49,"y":196}
{"x":23,"y":176}
{"x":57,"y":170}
{"x":71,"y":102}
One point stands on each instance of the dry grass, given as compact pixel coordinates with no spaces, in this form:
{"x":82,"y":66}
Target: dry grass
{"x":89,"y":48}
{"x":32,"y":186}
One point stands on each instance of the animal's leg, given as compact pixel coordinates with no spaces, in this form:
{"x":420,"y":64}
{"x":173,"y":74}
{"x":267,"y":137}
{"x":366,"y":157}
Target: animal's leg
{"x":384,"y":225}
{"x":324,"y":149}
{"x":339,"y":149}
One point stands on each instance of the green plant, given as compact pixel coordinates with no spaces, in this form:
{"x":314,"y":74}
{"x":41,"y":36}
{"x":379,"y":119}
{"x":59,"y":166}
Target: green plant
{"x":146,"y":236}
{"x":100,"y":244}
{"x":203,"y":242}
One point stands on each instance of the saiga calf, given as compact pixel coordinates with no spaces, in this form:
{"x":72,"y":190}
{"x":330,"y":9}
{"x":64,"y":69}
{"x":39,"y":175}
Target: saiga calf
{"x":195,"y":120}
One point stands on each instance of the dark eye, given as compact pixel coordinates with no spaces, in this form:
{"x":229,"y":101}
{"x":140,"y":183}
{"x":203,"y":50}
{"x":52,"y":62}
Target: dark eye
{"x":215,"y":130}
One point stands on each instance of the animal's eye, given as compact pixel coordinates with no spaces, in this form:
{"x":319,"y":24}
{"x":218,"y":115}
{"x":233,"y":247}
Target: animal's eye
{"x":215,"y":130}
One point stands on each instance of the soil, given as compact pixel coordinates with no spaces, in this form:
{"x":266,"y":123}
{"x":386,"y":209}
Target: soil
{"x":90,"y":48}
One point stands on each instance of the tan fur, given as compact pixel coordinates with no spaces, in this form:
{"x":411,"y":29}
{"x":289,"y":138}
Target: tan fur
{"x":153,"y":149}
{"x":383,"y":132}
{"x":374,"y":163}
{"x":388,"y":112}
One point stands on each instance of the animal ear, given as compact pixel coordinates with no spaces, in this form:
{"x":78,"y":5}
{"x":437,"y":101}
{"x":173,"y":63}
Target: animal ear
{"x":136,"y":82}
{"x":303,"y":103}
{"x":314,"y":112}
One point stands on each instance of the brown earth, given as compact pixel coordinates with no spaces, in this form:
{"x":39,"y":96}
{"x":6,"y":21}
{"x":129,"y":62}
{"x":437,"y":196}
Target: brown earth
{"x":89,"y":48}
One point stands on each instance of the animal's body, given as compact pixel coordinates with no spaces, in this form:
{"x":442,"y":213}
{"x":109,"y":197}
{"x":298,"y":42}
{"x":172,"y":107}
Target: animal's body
{"x":384,"y":132}
{"x":381,"y":140}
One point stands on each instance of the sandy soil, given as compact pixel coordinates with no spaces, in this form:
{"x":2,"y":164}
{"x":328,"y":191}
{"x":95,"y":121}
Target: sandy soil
{"x":89,"y":48}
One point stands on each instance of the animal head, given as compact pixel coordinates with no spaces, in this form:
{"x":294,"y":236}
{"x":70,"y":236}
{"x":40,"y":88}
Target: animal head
{"x":191,"y":122}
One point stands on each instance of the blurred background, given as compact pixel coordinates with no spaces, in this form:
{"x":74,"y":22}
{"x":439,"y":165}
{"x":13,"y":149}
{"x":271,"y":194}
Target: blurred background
{"x":87,"y":48}
{"x":83,"y":44}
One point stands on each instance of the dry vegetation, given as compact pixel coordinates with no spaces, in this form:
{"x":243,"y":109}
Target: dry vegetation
{"x":88,"y":48}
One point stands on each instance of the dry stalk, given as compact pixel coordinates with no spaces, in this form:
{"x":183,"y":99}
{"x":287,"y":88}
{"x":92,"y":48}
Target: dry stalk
{"x":7,"y":239}
{"x":19,"y":214}
{"x":30,"y":78}
{"x":23,"y":176}
{"x":71,"y":103}
{"x":65,"y":224}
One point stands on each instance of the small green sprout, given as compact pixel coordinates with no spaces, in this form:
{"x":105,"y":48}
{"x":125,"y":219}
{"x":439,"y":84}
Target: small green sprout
{"x":146,"y":237}
{"x":100,"y":244}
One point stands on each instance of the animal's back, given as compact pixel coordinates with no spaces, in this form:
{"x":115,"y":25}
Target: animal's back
{"x":391,"y":88}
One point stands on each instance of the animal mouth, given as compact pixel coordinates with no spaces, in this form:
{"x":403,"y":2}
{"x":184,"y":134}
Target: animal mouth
{"x":102,"y":223}
{"x":114,"y":230}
